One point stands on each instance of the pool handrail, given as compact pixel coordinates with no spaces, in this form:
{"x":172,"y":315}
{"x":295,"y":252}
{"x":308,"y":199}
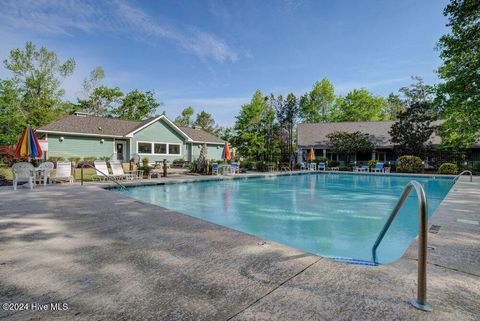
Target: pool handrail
{"x":107,"y":176}
{"x":464,"y":172}
{"x":421,"y":301}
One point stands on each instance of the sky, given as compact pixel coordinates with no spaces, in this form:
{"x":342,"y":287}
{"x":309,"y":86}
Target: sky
{"x":213,"y":55}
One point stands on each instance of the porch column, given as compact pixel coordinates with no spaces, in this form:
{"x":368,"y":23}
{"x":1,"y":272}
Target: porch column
{"x":324,"y":153}
{"x":373,"y":155}
{"x":299,"y":155}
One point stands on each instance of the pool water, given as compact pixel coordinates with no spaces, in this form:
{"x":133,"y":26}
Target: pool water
{"x":328,"y":214}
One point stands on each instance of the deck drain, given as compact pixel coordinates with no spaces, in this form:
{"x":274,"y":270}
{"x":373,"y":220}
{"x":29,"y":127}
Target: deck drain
{"x":434,"y":229}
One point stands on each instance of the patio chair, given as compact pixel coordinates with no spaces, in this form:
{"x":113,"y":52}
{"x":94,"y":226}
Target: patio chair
{"x":363,"y":168}
{"x":43,"y":170}
{"x":378,"y":168}
{"x":322,"y":166}
{"x":63,"y":172}
{"x":234,"y":168}
{"x":118,"y":172}
{"x":101,"y":171}
{"x":23,"y":172}
{"x":312,"y":166}
{"x":215,"y":169}
{"x":302,"y":166}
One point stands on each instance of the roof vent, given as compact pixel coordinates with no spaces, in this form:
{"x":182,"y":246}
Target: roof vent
{"x":81,"y":113}
{"x":100,"y":128}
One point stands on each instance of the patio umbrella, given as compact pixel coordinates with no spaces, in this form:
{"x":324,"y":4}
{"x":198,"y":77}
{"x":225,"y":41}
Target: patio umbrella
{"x":28,"y":145}
{"x":311,"y":155}
{"x":226,"y":155}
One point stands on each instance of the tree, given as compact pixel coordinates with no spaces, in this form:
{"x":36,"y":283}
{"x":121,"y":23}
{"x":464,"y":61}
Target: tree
{"x":359,"y":105}
{"x":101,"y":101}
{"x":137,"y":105}
{"x":411,"y":131}
{"x":225,"y":133}
{"x":248,"y":126}
{"x":316,"y":105}
{"x":185,"y":119}
{"x":205,"y":121}
{"x":345,"y":143}
{"x":39,"y":74}
{"x":12,"y":116}
{"x":418,"y":92}
{"x":459,"y":94}
{"x":395,"y":105}
{"x":93,"y":81}
{"x":287,"y":113}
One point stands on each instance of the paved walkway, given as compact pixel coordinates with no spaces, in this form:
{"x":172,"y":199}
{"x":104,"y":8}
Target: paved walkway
{"x":110,"y":257}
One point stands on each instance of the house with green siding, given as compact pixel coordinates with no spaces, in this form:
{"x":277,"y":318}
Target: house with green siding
{"x":157,"y":138}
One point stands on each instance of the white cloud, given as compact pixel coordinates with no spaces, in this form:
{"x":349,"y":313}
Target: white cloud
{"x":43,"y":17}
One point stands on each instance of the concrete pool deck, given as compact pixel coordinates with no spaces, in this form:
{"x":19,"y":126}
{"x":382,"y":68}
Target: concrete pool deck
{"x":110,"y":257}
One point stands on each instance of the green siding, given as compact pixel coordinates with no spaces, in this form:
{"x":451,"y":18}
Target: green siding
{"x":79,"y":146}
{"x":214,"y":152}
{"x":159,"y":132}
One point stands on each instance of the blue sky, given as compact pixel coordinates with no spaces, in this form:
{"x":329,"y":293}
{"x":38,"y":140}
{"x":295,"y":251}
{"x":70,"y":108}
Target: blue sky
{"x":213,"y":55}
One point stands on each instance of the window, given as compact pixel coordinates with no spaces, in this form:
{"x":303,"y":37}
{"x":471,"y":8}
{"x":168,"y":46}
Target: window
{"x":159,"y":148}
{"x":144,"y":148}
{"x":174,"y":149}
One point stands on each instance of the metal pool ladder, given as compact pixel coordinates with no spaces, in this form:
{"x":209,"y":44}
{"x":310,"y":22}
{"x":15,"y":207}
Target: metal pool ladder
{"x":421,"y":301}
{"x":464,"y":172}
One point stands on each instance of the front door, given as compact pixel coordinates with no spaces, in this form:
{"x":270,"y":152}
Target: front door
{"x":120,"y":150}
{"x":382,"y":156}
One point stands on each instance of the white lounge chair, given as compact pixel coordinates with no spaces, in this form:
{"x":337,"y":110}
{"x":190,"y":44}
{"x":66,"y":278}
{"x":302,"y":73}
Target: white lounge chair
{"x":63,"y":172}
{"x":118,"y":172}
{"x":44,"y":170}
{"x":102,"y":170}
{"x":23,"y":172}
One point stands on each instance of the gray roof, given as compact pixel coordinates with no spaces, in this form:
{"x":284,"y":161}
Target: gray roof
{"x":315,"y":134}
{"x":93,"y":125}
{"x":106,"y":126}
{"x":199,"y":135}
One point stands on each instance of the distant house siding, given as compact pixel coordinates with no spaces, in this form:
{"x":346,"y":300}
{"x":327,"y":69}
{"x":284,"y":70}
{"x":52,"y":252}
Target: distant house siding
{"x":214,"y":152}
{"x":79,"y":146}
{"x":159,"y":132}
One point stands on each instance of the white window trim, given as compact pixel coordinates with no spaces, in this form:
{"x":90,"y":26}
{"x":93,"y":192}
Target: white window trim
{"x":152,"y":147}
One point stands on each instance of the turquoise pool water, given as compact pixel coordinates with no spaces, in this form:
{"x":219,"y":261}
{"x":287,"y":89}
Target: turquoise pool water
{"x":333,"y":215}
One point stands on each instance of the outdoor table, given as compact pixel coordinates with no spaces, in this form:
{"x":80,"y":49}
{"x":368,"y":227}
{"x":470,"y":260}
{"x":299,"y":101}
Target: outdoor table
{"x":44,"y":174}
{"x":224,"y":169}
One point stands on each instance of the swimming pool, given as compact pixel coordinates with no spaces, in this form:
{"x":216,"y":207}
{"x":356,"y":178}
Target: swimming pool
{"x":328,"y":214}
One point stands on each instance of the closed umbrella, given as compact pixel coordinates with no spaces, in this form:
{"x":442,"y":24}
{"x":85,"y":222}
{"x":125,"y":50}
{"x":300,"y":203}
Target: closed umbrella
{"x":311,"y":154}
{"x":226,"y":155}
{"x":28,"y":145}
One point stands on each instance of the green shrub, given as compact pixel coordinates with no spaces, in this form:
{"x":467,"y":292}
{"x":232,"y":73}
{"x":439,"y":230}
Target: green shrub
{"x":448,"y":168}
{"x":409,"y":164}
{"x":333,"y":163}
{"x":104,"y":158}
{"x":372,"y":163}
{"x":321,"y":159}
{"x":344,"y":168}
{"x":55,"y":159}
{"x":146,"y":169}
{"x":90,"y":159}
{"x":192,"y":168}
{"x":75,"y":160}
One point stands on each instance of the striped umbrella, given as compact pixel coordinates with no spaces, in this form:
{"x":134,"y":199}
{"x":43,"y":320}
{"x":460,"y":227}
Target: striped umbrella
{"x":226,"y":155}
{"x":28,"y":145}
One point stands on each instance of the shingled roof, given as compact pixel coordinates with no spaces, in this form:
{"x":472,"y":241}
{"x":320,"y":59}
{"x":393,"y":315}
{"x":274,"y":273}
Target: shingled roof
{"x":115,"y":127}
{"x":199,"y":135}
{"x":315,"y":134}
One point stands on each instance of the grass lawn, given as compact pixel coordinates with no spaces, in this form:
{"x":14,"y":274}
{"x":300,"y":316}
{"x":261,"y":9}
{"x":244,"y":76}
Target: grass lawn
{"x":88,"y":174}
